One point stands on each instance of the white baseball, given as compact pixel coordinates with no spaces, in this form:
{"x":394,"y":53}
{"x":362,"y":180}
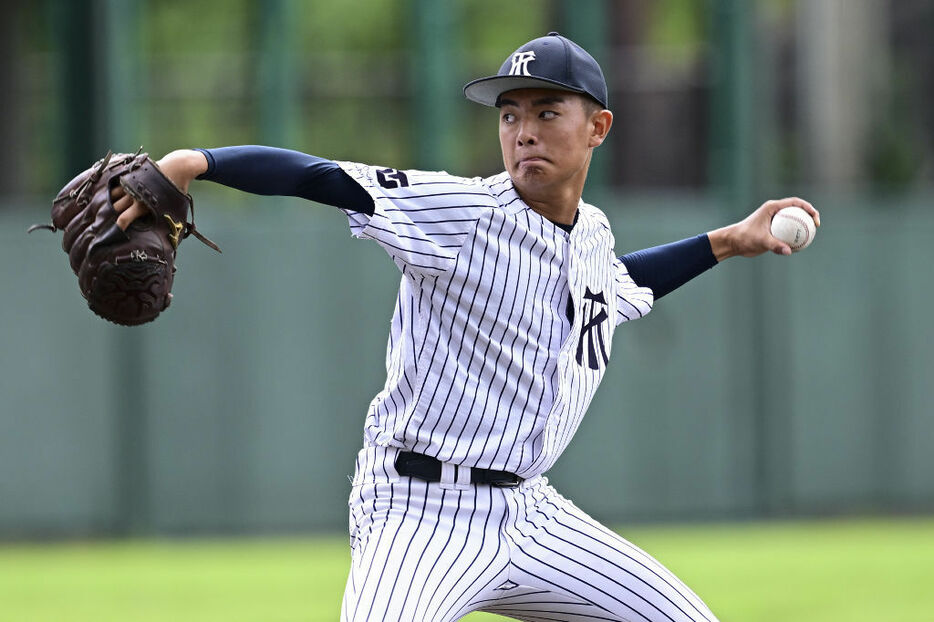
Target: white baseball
{"x":795,"y":227}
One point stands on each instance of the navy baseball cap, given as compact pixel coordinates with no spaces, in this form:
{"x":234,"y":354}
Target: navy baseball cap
{"x":549,"y":62}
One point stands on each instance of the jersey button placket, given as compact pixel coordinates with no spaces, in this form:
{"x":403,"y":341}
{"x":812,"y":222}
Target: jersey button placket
{"x":564,"y":357}
{"x":575,"y":291}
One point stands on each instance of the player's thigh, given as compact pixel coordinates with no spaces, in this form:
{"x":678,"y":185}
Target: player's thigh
{"x":420,"y":553}
{"x":571,"y":555}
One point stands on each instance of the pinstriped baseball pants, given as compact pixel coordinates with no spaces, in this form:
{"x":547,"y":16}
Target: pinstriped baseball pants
{"x":423,"y":553}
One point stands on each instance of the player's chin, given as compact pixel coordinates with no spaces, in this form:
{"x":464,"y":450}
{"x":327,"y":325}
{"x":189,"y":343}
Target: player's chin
{"x":530,"y":170}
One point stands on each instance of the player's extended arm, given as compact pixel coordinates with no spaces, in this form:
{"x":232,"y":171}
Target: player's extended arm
{"x":665,"y":268}
{"x":259,"y":170}
{"x":283,"y":172}
{"x":668,"y":267}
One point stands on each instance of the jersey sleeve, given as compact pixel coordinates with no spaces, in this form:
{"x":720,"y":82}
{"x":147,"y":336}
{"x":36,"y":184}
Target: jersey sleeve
{"x":420,"y":218}
{"x":632,"y":301}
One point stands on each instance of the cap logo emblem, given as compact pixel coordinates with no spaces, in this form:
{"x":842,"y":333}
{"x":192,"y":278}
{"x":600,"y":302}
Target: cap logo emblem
{"x":520,"y":63}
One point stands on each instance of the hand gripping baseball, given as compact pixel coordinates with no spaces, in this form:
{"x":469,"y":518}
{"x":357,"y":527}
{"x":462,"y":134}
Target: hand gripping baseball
{"x":752,"y":236}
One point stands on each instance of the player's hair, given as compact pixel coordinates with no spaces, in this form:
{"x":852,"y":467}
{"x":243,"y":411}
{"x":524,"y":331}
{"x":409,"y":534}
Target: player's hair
{"x":591,"y":105}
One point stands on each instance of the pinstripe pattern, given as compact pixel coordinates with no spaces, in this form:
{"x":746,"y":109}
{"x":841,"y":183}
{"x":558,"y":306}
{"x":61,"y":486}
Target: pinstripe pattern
{"x":500,"y":336}
{"x":422,"y":553}
{"x":481,"y":366}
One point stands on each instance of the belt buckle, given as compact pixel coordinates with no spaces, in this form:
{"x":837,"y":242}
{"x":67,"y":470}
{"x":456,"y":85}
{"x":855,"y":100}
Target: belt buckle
{"x":512,"y":482}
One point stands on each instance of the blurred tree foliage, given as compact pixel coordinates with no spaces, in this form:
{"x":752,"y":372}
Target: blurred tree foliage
{"x":352,"y":70}
{"x":679,"y":26}
{"x":199,"y":76}
{"x":200,"y":79}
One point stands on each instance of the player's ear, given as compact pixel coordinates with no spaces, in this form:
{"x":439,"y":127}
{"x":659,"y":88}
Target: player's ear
{"x":600,"y":122}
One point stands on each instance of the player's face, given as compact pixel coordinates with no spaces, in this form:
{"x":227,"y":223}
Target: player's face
{"x":547,"y":137}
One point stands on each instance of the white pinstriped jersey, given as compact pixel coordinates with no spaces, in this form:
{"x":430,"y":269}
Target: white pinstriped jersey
{"x":488,"y":363}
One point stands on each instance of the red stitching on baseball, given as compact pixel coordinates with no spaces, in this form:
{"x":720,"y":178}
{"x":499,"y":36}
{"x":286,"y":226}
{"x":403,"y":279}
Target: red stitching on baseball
{"x":803,"y":223}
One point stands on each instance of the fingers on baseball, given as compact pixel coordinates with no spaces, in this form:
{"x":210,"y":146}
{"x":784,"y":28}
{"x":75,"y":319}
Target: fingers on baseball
{"x":774,"y":245}
{"x":796,"y":202}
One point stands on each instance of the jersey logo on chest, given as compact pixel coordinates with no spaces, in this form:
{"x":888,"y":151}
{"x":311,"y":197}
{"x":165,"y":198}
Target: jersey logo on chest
{"x":594,"y":315}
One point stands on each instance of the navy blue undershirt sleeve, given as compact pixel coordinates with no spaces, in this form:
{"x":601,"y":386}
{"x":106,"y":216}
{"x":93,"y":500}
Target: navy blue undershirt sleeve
{"x":665,"y":268}
{"x":283,"y":172}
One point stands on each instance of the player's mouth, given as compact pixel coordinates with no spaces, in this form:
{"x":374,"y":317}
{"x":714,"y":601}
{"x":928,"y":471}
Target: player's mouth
{"x":532,"y":161}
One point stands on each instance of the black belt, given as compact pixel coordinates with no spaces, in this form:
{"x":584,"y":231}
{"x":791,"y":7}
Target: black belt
{"x":429,"y":469}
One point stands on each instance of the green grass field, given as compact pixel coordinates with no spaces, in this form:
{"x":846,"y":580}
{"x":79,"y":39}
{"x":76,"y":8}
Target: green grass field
{"x":758,"y":572}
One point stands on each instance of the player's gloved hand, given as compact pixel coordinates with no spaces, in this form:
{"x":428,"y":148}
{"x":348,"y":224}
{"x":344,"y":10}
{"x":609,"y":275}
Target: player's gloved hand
{"x":752,"y":236}
{"x":126,"y":273}
{"x":181,"y":166}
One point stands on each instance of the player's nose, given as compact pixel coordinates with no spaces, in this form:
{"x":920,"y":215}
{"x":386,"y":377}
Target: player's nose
{"x":526,"y":135}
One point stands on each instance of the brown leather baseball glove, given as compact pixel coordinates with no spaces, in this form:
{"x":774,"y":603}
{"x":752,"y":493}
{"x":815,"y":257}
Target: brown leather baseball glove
{"x":126,"y":276}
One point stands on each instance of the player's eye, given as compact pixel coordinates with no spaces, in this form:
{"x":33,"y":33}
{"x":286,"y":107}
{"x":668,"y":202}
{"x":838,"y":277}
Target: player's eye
{"x":508,"y":117}
{"x":548,"y":114}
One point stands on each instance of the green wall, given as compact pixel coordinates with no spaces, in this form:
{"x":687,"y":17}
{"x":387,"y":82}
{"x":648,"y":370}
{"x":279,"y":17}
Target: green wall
{"x":768,"y":387}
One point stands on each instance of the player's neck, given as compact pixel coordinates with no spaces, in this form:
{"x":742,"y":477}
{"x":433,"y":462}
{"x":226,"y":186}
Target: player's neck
{"x":563,"y":214}
{"x":556,"y":204}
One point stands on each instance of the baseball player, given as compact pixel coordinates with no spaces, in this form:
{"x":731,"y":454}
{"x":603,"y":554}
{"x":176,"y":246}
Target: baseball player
{"x":503,"y":327}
